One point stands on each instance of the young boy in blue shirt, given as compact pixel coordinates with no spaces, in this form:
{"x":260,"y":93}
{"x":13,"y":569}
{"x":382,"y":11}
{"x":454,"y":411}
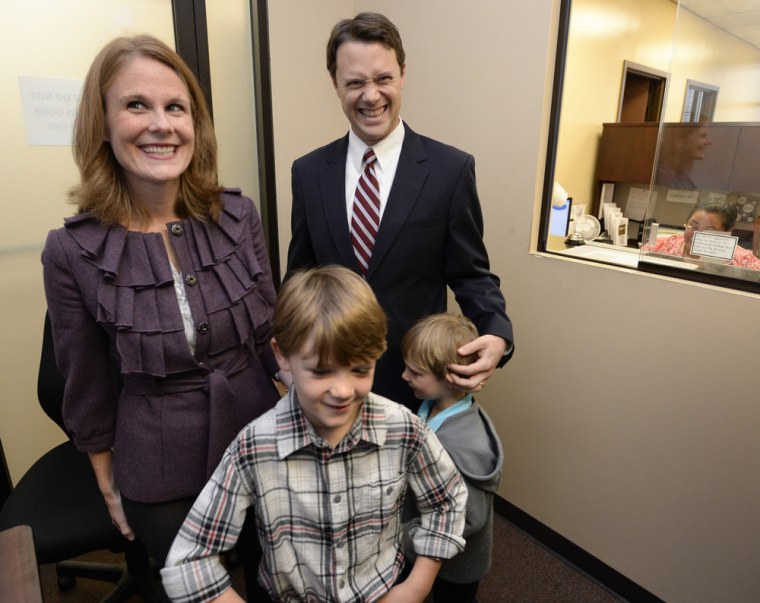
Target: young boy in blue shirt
{"x":469,"y":437}
{"x":326,"y":470}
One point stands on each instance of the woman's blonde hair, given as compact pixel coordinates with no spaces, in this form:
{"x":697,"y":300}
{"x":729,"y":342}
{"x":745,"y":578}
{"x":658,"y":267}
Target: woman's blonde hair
{"x":433,"y":341}
{"x":102,"y":190}
{"x":334,"y":312}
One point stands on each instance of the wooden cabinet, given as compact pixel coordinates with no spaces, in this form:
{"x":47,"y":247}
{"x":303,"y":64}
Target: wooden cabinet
{"x":730,"y":162}
{"x":746,"y":173}
{"x":626,"y":153}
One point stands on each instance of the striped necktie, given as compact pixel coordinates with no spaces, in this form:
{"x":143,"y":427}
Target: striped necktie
{"x":365,"y":215}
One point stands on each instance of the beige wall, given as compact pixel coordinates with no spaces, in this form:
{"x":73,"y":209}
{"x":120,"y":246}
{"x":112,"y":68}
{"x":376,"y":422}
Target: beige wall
{"x":628,"y":413}
{"x":306,"y":110}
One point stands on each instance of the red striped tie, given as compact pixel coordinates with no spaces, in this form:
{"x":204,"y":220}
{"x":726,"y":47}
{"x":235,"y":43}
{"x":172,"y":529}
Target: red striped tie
{"x":365,"y":216}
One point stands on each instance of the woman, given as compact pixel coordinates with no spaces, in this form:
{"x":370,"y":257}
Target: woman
{"x":682,"y":146}
{"x":159,"y":292}
{"x":716,"y":217}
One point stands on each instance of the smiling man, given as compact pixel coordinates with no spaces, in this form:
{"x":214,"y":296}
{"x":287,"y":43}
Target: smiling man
{"x":399,"y":208}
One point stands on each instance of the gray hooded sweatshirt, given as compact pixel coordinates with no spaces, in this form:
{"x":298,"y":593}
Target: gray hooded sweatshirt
{"x":471,"y":440}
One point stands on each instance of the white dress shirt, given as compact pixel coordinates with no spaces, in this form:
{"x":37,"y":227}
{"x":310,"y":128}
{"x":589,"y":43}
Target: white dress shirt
{"x":387,"y":152}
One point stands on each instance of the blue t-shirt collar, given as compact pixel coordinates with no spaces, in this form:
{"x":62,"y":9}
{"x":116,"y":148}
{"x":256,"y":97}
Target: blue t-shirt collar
{"x":437,"y":420}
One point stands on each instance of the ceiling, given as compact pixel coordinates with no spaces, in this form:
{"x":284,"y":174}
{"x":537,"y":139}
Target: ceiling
{"x":738,"y":17}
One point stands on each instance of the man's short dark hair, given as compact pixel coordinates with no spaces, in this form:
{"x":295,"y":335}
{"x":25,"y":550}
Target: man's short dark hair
{"x":364,"y":27}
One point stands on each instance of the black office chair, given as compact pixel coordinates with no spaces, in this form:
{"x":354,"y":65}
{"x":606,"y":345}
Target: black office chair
{"x":59,"y":498}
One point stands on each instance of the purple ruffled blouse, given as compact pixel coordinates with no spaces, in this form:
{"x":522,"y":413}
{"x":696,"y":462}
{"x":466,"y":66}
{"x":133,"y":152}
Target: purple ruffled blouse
{"x":132,"y":382}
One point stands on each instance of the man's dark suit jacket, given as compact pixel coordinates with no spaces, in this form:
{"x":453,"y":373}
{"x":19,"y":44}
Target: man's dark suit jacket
{"x":431,"y":236}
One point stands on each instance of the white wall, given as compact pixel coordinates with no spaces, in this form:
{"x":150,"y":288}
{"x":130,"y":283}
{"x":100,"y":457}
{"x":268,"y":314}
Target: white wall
{"x":628,"y":413}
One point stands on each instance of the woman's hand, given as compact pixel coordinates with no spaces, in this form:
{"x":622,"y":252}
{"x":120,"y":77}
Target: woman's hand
{"x":116,"y":511}
{"x":102,"y":464}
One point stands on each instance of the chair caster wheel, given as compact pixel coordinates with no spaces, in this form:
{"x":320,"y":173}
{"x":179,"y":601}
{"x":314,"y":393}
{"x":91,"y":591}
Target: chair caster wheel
{"x":66,"y":583}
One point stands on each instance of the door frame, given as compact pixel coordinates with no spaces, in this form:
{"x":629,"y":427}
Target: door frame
{"x":191,"y":35}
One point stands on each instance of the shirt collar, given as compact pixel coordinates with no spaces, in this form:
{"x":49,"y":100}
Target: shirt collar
{"x":294,"y":432}
{"x":387,"y":148}
{"x":438,"y":419}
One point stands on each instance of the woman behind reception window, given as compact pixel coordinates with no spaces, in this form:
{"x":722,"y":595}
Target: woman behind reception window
{"x":711,"y":217}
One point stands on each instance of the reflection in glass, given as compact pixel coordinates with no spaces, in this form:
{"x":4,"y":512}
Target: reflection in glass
{"x":680,"y":148}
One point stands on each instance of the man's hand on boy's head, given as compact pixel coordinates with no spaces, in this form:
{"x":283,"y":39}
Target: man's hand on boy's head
{"x":472,"y":377}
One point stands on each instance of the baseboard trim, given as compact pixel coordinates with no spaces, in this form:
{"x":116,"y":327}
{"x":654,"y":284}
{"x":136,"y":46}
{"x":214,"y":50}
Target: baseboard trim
{"x":584,"y":562}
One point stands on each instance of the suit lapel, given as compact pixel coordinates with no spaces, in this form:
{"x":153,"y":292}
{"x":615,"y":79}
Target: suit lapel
{"x":332,"y":188}
{"x":407,"y":185}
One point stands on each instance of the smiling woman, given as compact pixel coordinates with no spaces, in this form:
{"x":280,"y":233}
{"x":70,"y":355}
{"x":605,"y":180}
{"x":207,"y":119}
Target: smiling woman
{"x":149,"y":127}
{"x":160,"y":294}
{"x":150,"y":97}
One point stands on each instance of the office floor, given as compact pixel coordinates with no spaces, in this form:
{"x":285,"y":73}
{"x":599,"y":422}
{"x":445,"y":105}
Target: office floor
{"x":523,"y":572}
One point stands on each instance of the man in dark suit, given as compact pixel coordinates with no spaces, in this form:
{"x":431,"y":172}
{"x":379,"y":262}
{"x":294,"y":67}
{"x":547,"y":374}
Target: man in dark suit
{"x":430,"y":232}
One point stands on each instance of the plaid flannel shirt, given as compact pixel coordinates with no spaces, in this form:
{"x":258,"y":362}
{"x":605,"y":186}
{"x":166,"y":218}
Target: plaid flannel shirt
{"x":329,"y":519}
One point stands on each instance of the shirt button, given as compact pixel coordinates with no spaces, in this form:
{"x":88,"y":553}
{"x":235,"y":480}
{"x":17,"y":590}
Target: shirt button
{"x":342,"y":584}
{"x":337,"y":498}
{"x":203,"y":328}
{"x":389,"y":491}
{"x":177,"y":230}
{"x":190,"y":280}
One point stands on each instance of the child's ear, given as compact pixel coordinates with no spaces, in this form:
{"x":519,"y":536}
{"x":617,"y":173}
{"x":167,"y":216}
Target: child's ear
{"x":282,"y":360}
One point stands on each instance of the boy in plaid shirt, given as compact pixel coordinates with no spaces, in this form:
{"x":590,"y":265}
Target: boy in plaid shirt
{"x":325,"y":471}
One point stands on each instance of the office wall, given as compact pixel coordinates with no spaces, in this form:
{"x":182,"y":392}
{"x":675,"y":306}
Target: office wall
{"x":629,"y":412}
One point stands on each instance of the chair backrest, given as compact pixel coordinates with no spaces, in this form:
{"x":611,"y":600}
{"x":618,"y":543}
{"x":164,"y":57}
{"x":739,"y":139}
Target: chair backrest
{"x":50,"y":381}
{"x":5,"y":478}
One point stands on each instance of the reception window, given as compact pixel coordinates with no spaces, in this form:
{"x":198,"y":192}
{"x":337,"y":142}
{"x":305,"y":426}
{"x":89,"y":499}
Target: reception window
{"x":679,"y":195}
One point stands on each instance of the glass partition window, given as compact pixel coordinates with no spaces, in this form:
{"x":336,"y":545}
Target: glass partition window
{"x":673,"y":196}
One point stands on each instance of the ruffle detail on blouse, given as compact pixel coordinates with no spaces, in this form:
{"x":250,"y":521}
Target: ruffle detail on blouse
{"x":136,"y":293}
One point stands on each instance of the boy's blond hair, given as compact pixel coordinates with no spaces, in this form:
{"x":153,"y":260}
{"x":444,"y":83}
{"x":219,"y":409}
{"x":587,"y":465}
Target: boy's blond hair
{"x":334,"y":311}
{"x":433,"y":341}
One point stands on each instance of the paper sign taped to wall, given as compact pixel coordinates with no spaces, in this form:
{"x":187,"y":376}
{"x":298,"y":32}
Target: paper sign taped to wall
{"x":50,"y":106}
{"x":677,"y":195}
{"x":638,"y":201}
